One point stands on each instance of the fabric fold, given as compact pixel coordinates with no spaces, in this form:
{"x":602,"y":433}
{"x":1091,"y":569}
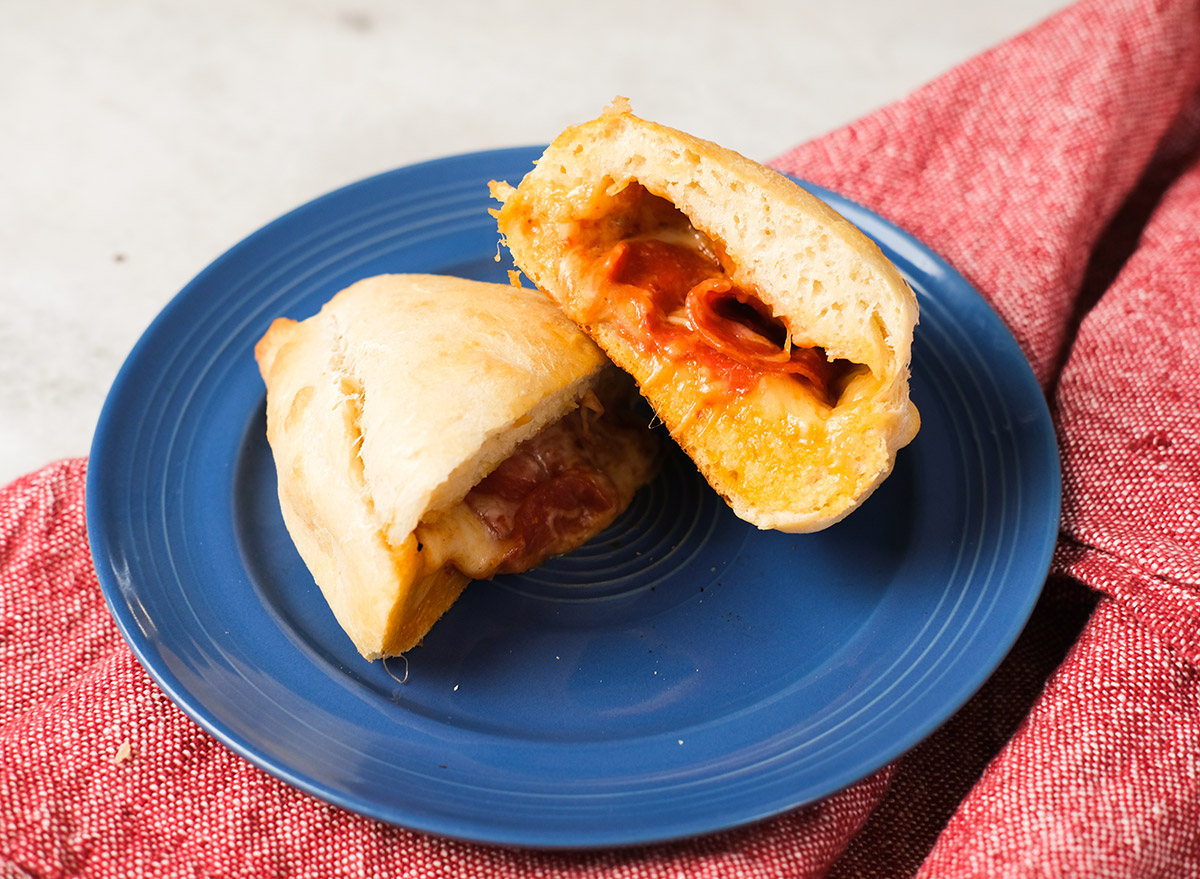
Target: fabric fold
{"x":1102,"y":780}
{"x":1128,"y":409}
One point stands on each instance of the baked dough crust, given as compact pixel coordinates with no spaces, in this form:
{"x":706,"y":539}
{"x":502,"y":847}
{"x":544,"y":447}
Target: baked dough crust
{"x":391,"y":403}
{"x":782,"y":458}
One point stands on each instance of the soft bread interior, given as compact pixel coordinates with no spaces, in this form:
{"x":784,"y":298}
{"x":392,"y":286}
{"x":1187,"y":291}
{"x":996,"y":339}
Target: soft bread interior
{"x":388,"y":406}
{"x":782,"y":456}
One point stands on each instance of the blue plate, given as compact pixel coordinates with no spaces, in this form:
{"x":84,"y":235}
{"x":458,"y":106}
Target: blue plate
{"x":682,"y":673}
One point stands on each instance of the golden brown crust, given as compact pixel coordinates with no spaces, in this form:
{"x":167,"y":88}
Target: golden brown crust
{"x":780,"y":458}
{"x":391,"y":403}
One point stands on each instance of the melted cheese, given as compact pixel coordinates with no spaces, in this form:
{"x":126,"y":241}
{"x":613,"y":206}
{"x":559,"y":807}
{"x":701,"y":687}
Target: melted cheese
{"x":554,"y":493}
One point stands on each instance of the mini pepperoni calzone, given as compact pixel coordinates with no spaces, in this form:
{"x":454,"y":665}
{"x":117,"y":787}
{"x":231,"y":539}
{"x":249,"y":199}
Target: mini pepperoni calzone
{"x":770,"y":335}
{"x":428,"y":430}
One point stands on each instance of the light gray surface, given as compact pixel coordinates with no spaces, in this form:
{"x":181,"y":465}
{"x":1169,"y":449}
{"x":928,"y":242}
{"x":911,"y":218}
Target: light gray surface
{"x":141,"y":138}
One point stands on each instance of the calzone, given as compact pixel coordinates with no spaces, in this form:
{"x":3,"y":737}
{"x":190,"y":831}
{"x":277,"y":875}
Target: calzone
{"x":429,"y":430}
{"x":769,"y":333}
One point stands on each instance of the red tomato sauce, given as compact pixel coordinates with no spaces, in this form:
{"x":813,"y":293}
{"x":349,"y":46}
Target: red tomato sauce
{"x":728,"y":329}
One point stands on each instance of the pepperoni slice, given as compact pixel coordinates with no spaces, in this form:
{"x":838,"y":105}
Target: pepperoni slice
{"x":661,"y":273}
{"x":667,"y":270}
{"x":740,"y":326}
{"x":737,"y":324}
{"x":728,"y":327}
{"x":551,"y":516}
{"x":553,"y":492}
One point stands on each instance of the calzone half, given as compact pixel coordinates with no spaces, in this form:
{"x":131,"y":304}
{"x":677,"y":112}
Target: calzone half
{"x":770,"y":334}
{"x":429,"y":430}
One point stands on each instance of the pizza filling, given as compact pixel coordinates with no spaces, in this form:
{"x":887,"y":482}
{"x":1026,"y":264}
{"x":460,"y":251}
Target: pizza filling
{"x":555,"y":492}
{"x":669,"y":292}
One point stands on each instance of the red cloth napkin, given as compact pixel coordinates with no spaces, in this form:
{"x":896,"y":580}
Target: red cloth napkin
{"x":1058,"y":173}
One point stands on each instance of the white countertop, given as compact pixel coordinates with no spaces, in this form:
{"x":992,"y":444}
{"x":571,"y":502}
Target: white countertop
{"x":141,"y":138}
